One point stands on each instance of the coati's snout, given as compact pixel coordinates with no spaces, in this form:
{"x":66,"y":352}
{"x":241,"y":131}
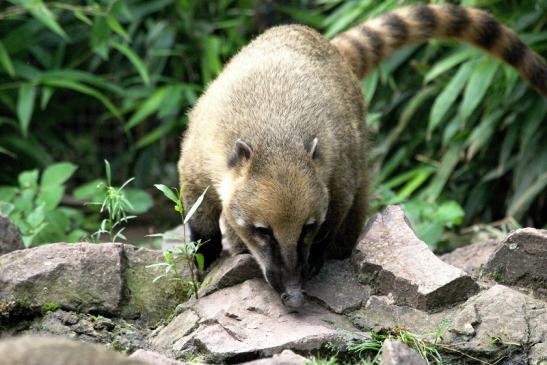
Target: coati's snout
{"x":275,"y":208}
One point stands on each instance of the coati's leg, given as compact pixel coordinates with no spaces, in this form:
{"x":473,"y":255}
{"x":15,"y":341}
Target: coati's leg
{"x":204,"y":222}
{"x":352,"y":226}
{"x":231,"y":242}
{"x":325,"y":245}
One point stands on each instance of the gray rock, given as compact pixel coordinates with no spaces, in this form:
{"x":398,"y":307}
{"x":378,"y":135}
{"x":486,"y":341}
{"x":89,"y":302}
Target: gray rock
{"x":32,"y":350}
{"x":229,"y":271}
{"x":82,"y":277}
{"x":108,"y":278}
{"x":145,"y":299}
{"x":538,"y":354}
{"x":397,"y":353}
{"x":521,"y":260}
{"x":175,"y":237}
{"x":394,"y":261}
{"x":10,"y":238}
{"x":380,"y":314}
{"x":471,"y":258}
{"x":247,"y":321}
{"x":337,"y":287}
{"x":153,"y":358}
{"x":286,"y":357}
{"x":499,"y":322}
{"x":116,"y":332}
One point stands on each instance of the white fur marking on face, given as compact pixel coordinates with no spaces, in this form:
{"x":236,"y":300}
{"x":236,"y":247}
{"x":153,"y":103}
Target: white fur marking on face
{"x":225,"y":188}
{"x":323,"y":216}
{"x":260,"y":225}
{"x":311,"y":221}
{"x":240,"y":221}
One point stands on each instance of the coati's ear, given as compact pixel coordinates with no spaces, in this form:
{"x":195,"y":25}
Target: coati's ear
{"x":242,"y":152}
{"x":312,"y":148}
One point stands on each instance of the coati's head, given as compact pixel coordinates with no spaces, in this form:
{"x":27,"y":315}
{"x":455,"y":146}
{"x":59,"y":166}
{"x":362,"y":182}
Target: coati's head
{"x":276,"y":205}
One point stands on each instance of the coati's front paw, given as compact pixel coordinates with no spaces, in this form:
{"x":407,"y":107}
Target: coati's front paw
{"x":315,"y":263}
{"x":231,"y":243}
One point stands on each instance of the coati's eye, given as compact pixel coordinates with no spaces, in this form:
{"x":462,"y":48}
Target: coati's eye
{"x":263,"y":231}
{"x":308,"y":227}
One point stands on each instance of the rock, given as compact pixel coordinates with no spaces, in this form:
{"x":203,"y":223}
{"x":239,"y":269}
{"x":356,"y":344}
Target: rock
{"x":32,"y":350}
{"x":521,"y":260}
{"x":153,"y":358}
{"x":499,"y":322}
{"x":116,"y":332}
{"x":175,"y":237}
{"x":394,"y":261}
{"x":538,"y":354}
{"x":380,"y":314}
{"x":336,"y":286}
{"x":10,"y":238}
{"x":397,"y":353}
{"x":244,"y":322}
{"x":286,"y":357}
{"x":471,"y":258}
{"x":145,"y":299}
{"x":108,"y":278}
{"x":82,"y":277}
{"x":229,"y":271}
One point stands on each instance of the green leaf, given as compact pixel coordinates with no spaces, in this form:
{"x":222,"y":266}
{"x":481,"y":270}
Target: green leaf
{"x":446,"y":166}
{"x":67,"y":84}
{"x":50,"y":196}
{"x":448,"y":96}
{"x":6,"y":208}
{"x":140,"y":200}
{"x":57,"y":174}
{"x":450,"y":212}
{"x":5,"y":60}
{"x":117,"y":27}
{"x":149,"y":106}
{"x":7,"y":193}
{"x":200,"y":261}
{"x":135,"y":60}
{"x":100,"y":37}
{"x":40,"y":11}
{"x":167,"y":192}
{"x":479,"y":81}
{"x":36,"y":217}
{"x":25,"y":105}
{"x":195,"y":206}
{"x":108,"y":172}
{"x":449,"y":62}
{"x":28,"y":179}
{"x":89,"y":191}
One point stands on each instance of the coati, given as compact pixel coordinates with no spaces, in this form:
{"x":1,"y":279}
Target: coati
{"x":37,"y":350}
{"x":280,"y":136}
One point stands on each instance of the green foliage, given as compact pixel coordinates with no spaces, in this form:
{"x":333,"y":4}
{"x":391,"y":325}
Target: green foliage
{"x":132,"y":67}
{"x":34,"y":206}
{"x":116,"y":205}
{"x":188,"y":250}
{"x":450,"y":123}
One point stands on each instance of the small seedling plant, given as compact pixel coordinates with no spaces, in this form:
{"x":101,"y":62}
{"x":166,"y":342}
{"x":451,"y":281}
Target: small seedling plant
{"x":187,"y":252}
{"x":116,"y":206}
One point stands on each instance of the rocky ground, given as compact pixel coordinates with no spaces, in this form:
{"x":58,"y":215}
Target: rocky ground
{"x":481,"y":304}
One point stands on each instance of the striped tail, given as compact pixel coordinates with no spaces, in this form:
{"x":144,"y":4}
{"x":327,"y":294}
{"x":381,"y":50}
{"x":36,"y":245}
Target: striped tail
{"x":366,"y":45}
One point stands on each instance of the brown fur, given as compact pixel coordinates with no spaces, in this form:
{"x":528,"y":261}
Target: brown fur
{"x":252,"y":135}
{"x":34,"y":350}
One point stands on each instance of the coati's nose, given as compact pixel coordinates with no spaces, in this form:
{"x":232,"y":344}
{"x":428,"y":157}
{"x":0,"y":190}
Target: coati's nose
{"x":293,"y":298}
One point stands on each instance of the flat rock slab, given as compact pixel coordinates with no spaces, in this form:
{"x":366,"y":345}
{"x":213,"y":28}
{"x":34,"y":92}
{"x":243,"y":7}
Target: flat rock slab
{"x":521,"y":260}
{"x":286,"y":357}
{"x":337,"y":287}
{"x":10,"y":238}
{"x":228,"y":271}
{"x":154,"y":358}
{"x":245,"y":322}
{"x":31,"y":350}
{"x":397,"y":353}
{"x":471,"y":258}
{"x":516,"y":320}
{"x":394,"y":261}
{"x":108,"y":278}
